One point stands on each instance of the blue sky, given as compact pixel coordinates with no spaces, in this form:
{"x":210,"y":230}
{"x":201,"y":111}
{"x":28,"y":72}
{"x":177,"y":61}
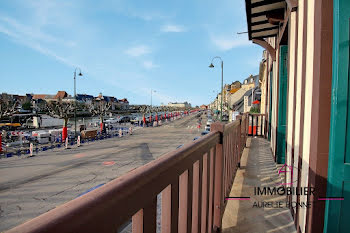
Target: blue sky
{"x":124,"y":48}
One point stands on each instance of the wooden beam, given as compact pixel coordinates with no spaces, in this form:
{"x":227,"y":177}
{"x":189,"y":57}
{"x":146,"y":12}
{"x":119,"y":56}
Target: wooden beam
{"x":292,"y":5}
{"x":264,"y":3}
{"x":275,"y":21}
{"x":264,"y":36}
{"x":286,"y":19}
{"x":266,"y":46}
{"x":265,"y":29}
{"x":259,"y":22}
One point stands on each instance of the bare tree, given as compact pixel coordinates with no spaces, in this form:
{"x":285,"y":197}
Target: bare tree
{"x":144,"y":109}
{"x":100,"y":109}
{"x":8,"y":106}
{"x":61,"y":110}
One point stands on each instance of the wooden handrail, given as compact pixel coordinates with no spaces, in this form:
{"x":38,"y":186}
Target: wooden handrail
{"x":187,"y":173}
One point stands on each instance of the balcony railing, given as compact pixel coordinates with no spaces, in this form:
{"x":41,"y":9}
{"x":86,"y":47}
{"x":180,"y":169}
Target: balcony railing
{"x":257,"y":124}
{"x":193,"y":182}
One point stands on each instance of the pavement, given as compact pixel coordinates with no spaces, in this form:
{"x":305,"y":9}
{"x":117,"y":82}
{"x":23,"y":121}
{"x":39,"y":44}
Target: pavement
{"x":30,"y":186}
{"x":258,"y":169}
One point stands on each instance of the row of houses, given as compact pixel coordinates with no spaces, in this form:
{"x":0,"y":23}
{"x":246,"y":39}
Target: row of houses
{"x":237,"y":96}
{"x":38,"y":101}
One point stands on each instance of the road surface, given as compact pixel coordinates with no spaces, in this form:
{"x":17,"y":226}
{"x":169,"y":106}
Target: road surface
{"x":32,"y":186}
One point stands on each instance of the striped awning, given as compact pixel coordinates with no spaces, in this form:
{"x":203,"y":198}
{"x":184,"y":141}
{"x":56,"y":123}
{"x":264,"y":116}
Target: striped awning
{"x":261,"y":16}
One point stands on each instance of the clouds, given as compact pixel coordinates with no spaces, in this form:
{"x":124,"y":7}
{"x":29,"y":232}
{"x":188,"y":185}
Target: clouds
{"x":138,"y":51}
{"x":149,"y":65}
{"x":172,"y":28}
{"x":32,"y":38}
{"x":151,"y":44}
{"x":226,"y":43}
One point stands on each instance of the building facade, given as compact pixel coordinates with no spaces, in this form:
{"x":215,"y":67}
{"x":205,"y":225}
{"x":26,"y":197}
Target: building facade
{"x":307,"y":102}
{"x":180,"y":105}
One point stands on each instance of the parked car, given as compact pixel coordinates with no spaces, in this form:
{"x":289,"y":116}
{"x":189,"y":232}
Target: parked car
{"x":135,"y":119}
{"x":112,"y":120}
{"x":225,"y":118}
{"x":124,"y":119}
{"x":207,"y":127}
{"x":205,"y":132}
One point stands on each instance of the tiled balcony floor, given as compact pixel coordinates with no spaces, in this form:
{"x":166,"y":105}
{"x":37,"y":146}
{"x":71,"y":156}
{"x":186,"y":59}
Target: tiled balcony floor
{"x":258,"y":169}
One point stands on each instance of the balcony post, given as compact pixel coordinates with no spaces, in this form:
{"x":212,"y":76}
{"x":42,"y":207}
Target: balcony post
{"x":218,"y":176}
{"x":239,"y":143}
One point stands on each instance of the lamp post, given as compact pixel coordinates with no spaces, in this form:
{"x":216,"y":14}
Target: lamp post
{"x":216,"y":100}
{"x":151,"y":97}
{"x":222,"y":80}
{"x":75,"y":100}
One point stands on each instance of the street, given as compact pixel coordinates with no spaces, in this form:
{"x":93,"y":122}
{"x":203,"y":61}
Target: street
{"x":35,"y":185}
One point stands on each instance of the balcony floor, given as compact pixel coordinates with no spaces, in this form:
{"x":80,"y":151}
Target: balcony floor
{"x":258,"y":169}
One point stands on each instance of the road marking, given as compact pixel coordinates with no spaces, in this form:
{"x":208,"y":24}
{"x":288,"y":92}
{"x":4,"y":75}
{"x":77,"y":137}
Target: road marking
{"x":89,"y":190}
{"x":80,"y":155}
{"x":108,"y":163}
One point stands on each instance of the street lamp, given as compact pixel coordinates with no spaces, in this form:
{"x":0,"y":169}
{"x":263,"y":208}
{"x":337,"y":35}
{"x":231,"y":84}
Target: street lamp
{"x":216,"y":100}
{"x":151,"y":96}
{"x":222,"y":79}
{"x":75,"y":100}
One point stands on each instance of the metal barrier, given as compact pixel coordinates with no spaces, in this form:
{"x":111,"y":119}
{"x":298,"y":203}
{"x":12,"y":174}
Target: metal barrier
{"x":257,"y":125}
{"x":193,"y":182}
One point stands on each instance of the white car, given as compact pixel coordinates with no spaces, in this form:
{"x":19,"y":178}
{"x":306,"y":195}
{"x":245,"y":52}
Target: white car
{"x":207,"y":127}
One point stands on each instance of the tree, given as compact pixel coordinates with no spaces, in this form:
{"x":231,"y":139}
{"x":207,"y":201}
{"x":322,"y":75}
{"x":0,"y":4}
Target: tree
{"x":100,"y":109}
{"x":61,"y":110}
{"x":27,"y":106}
{"x":8,"y":106}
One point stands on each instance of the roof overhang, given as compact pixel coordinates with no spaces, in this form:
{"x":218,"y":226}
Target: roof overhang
{"x":263,"y":17}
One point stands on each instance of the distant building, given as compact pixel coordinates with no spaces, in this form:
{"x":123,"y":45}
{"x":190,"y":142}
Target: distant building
{"x":203,"y":106}
{"x":84,"y":98}
{"x":39,"y":96}
{"x":114,"y":102}
{"x":251,"y":82}
{"x":61,"y":95}
{"x":235,"y":86}
{"x":180,"y":105}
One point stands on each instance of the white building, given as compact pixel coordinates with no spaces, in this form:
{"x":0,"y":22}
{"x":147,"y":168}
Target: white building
{"x":180,"y":105}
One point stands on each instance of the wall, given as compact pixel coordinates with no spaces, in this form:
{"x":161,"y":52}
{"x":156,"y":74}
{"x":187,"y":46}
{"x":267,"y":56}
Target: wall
{"x":308,"y":107}
{"x":305,"y":153}
{"x":292,"y":43}
{"x":263,"y":88}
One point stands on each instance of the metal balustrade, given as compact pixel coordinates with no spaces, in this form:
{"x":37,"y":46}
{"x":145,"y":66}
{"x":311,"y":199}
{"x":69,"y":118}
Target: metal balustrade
{"x":257,"y":124}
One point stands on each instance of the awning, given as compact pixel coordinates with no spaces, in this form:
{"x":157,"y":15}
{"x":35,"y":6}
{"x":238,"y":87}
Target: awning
{"x":263,"y":17}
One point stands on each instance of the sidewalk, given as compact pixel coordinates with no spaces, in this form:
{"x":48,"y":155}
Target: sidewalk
{"x":258,"y":169}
